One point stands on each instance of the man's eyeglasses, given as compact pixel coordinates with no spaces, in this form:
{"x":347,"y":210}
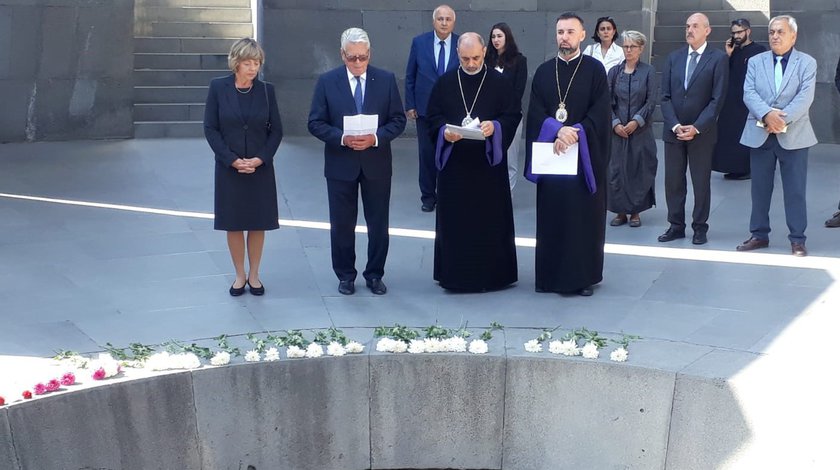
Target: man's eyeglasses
{"x":357,"y":58}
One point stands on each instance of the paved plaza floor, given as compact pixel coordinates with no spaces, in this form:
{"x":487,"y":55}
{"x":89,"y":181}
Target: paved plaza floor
{"x":112,"y":241}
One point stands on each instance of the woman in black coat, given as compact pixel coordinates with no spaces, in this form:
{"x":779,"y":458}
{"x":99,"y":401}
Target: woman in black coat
{"x":242,"y":126}
{"x":504,"y":56}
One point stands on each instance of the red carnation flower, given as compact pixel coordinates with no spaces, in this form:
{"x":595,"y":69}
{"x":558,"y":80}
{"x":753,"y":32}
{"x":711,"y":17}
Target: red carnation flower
{"x":2,"y":401}
{"x":53,"y":385}
{"x":27,"y":394}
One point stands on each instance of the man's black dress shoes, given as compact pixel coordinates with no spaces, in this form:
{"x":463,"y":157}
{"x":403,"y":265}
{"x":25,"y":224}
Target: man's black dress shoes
{"x":699,"y":238}
{"x":376,"y":286}
{"x":671,"y":234}
{"x":585,"y":292}
{"x":346,"y":287}
{"x":428,"y":207}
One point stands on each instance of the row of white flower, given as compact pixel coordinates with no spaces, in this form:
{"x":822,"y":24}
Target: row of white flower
{"x":432,"y":345}
{"x":570,"y":348}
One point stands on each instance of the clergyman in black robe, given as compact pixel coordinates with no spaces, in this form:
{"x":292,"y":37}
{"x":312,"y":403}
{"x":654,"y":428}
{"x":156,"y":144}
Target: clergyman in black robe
{"x":571,"y":209}
{"x":730,"y":156}
{"x":474,"y":241}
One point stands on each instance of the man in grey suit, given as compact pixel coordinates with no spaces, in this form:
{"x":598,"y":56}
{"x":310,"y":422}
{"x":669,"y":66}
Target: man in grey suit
{"x":693,"y":89}
{"x":778,"y":92}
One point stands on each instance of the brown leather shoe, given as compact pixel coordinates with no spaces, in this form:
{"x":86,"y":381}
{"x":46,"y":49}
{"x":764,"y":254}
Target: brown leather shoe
{"x":834,"y":221}
{"x":752,"y":244}
{"x":798,"y":249}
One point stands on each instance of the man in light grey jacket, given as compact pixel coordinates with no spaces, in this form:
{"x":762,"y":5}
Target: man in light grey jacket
{"x":778,"y":92}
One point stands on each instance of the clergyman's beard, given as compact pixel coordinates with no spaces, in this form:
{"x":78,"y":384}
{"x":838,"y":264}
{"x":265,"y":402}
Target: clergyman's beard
{"x":471,"y":73}
{"x":567,"y":51}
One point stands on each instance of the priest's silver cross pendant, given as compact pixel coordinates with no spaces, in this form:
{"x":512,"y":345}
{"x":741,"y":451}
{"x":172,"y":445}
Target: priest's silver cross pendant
{"x":561,"y":114}
{"x":467,"y":120}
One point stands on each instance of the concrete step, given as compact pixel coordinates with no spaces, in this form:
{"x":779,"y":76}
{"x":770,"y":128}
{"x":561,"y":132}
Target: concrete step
{"x":185,"y":45}
{"x":148,"y":130}
{"x":719,"y":33}
{"x":192,"y":3}
{"x":694,"y":5}
{"x":180,"y":61}
{"x":176,"y":77}
{"x":196,"y":30}
{"x":723,"y":17}
{"x":169,"y":112}
{"x":195,"y":14}
{"x":170,"y":94}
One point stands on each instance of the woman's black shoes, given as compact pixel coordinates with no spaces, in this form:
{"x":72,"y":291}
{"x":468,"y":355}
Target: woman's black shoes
{"x":255,"y":290}
{"x":236,"y":291}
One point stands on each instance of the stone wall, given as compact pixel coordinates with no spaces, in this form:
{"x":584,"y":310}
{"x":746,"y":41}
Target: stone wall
{"x":301,"y":37}
{"x":65,"y":69}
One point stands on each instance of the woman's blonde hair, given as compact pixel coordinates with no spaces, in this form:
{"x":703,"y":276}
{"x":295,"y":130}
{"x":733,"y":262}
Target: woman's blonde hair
{"x":242,"y":50}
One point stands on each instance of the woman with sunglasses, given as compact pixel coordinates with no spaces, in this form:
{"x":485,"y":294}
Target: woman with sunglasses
{"x":605,"y":49}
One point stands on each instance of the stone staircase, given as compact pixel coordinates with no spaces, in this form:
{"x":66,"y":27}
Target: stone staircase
{"x":179,"y":46}
{"x":669,"y":29}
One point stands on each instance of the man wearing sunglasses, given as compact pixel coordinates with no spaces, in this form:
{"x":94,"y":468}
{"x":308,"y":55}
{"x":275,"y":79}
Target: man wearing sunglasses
{"x":357,"y":162}
{"x":730,"y":157}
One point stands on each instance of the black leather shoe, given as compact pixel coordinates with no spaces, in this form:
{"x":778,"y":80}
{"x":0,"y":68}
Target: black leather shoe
{"x":256,"y":290}
{"x":585,"y":292}
{"x":699,"y":238}
{"x":346,"y":287}
{"x":671,"y":234}
{"x":237,"y":291}
{"x":376,"y":286}
{"x":428,"y":207}
{"x":834,"y":221}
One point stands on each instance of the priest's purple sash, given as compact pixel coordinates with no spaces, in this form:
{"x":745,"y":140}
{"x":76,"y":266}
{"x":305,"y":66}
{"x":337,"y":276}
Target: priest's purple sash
{"x":548,"y":133}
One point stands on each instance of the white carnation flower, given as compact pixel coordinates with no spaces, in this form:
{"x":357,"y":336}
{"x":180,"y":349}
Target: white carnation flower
{"x":336,"y":349}
{"x":385,"y":345}
{"x":272,"y":355}
{"x":220,"y":358}
{"x":314,"y":350}
{"x":293,"y":352}
{"x":188,"y":361}
{"x":434,"y":345}
{"x":456,"y":344}
{"x":400,"y":347}
{"x":568,"y":348}
{"x":478,"y":346}
{"x":158,"y":361}
{"x":619,"y":355}
{"x":252,"y":356}
{"x":590,"y":351}
{"x":354,"y":347}
{"x":417,"y":346}
{"x":555,"y":347}
{"x":533,"y":346}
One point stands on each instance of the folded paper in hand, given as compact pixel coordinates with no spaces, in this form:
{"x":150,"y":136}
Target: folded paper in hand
{"x":471,"y":131}
{"x":361,"y":124}
{"x":545,"y":162}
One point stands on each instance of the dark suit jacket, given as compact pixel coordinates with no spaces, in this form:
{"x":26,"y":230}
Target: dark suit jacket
{"x":421,"y":71}
{"x":700,"y":105}
{"x":233,"y":135}
{"x":333,"y":100}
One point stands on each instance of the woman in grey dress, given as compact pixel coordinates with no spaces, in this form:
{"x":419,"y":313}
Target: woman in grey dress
{"x":632,"y":167}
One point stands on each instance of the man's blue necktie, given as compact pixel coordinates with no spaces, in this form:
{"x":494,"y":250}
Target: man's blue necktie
{"x":357,"y":94}
{"x":777,"y":73}
{"x":442,"y":59}
{"x":692,"y":64}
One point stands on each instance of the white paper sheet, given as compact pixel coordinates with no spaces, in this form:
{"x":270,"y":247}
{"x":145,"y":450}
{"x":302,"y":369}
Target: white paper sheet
{"x":361,"y":124}
{"x":545,"y":162}
{"x":469,"y":132}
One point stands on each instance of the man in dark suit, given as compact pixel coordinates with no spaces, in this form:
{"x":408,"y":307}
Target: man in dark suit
{"x":693,"y":89}
{"x":432,"y":54}
{"x":778,"y":91}
{"x":834,"y":221}
{"x":354,"y":162}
